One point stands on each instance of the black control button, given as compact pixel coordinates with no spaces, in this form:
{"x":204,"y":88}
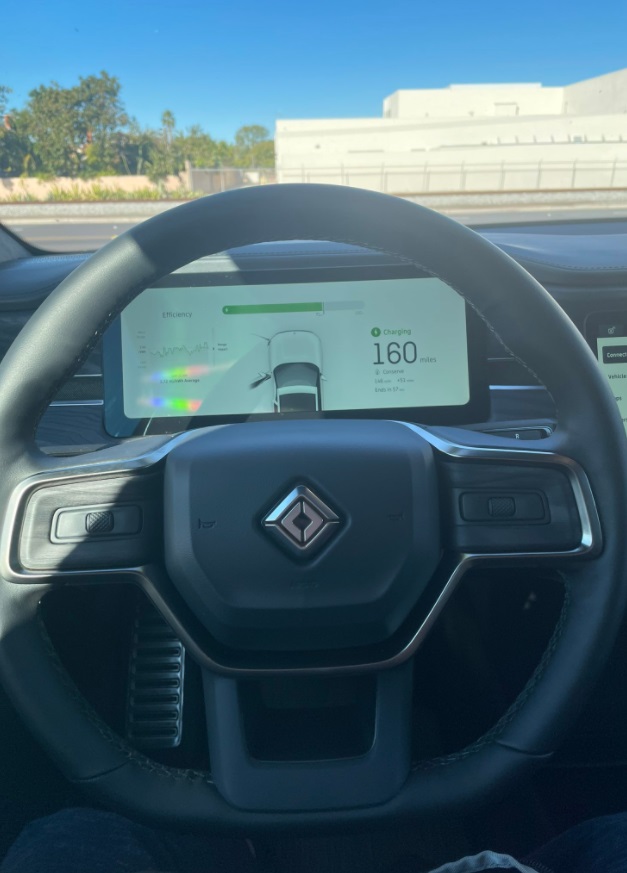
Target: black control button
{"x":501,"y":507}
{"x":80,"y":524}
{"x":99,"y":522}
{"x":474,"y":506}
{"x":530,"y":507}
{"x":485,"y":506}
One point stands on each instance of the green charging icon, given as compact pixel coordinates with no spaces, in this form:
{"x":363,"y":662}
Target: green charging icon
{"x":376,"y":331}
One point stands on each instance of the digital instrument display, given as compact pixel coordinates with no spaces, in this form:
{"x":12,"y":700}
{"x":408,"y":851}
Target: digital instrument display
{"x":607,"y":334}
{"x":215,"y":351}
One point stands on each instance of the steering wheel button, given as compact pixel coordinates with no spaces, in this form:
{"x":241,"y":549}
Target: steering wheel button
{"x":513,"y":508}
{"x":502,"y":507}
{"x":96,"y":522}
{"x":530,"y":506}
{"x":474,"y":506}
{"x":99,"y":522}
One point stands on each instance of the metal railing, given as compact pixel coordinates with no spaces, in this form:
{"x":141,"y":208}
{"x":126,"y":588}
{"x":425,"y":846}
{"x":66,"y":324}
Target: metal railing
{"x":427,"y":178}
{"x":464,"y":177}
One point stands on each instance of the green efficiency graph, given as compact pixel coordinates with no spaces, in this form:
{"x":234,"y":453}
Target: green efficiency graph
{"x":273,"y":308}
{"x":270,"y":308}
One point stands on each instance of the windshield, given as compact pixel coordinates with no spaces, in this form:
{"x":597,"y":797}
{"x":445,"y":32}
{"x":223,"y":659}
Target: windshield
{"x":488,"y":112}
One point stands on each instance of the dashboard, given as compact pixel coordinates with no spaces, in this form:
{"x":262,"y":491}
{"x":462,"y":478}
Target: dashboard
{"x":310,"y":345}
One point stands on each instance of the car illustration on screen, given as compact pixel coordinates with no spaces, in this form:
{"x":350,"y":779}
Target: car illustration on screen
{"x":296,"y":368}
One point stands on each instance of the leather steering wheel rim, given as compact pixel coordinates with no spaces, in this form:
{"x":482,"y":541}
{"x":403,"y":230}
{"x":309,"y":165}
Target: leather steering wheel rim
{"x":589,"y":430}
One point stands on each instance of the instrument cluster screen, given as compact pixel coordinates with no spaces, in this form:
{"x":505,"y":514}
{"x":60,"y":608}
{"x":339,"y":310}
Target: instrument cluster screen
{"x":294,"y":348}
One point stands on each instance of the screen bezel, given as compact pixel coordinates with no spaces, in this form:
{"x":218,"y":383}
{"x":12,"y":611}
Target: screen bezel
{"x":117,"y":424}
{"x":592,"y":326}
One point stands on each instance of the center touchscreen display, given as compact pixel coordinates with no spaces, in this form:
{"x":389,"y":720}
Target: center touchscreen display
{"x":293,"y":348}
{"x":607,"y":333}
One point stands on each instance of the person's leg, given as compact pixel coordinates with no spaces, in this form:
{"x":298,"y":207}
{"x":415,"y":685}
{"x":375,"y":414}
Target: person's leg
{"x":595,"y":846}
{"x":86,"y":841}
{"x":95,"y":841}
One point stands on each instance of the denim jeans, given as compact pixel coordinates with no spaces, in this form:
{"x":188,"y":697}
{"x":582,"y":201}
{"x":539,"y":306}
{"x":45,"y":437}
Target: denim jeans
{"x":90,"y":841}
{"x":94,"y":841}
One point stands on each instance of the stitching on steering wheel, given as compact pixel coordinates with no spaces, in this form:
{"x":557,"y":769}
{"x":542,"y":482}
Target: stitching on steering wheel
{"x":58,"y":383}
{"x":495,"y":732}
{"x":113,"y":739}
{"x":191,"y":775}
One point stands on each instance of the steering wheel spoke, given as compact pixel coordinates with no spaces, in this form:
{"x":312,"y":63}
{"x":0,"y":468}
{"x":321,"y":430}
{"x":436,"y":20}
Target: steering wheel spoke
{"x":503,"y":503}
{"x":246,"y":771}
{"x":79,"y":522}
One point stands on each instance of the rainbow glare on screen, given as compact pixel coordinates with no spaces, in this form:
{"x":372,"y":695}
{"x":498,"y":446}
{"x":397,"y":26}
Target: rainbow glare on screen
{"x":176,"y":404}
{"x":179,"y":373}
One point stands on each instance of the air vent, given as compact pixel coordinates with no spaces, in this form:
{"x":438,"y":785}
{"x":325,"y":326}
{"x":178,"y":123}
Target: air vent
{"x":154,"y":711}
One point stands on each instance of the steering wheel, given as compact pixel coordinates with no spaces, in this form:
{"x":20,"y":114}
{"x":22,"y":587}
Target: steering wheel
{"x":387,"y":496}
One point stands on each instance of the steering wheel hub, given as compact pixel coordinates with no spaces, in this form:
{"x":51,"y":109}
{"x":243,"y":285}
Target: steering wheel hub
{"x":328,"y":543}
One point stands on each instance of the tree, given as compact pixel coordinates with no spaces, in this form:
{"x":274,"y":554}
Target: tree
{"x":253,"y":147}
{"x":165,"y":159}
{"x":168,"y":126}
{"x":101,"y":119}
{"x":49,"y":123}
{"x":135,"y":148}
{"x":248,"y":137}
{"x":4,"y":98}
{"x":201,"y":150}
{"x":14,"y":147}
{"x":78,"y":130}
{"x":262,"y":154}
{"x":84,"y":130}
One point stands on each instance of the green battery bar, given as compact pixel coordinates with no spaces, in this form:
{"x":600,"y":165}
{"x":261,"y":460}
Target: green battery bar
{"x":269,"y":308}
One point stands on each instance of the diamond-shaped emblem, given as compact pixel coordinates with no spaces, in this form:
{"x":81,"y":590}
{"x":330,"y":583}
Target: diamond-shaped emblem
{"x":302,"y":521}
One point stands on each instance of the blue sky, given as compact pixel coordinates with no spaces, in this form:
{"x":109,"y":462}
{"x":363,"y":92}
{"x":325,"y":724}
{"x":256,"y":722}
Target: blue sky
{"x":225,"y":64}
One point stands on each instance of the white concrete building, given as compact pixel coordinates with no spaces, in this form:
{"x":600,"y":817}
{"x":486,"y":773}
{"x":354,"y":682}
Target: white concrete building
{"x":470,"y":138}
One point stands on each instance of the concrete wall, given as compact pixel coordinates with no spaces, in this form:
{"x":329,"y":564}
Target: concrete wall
{"x":392,"y":156}
{"x":516,"y":130}
{"x":354,"y":141}
{"x":468,"y":101}
{"x":36,"y":189}
{"x":602,"y":94}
